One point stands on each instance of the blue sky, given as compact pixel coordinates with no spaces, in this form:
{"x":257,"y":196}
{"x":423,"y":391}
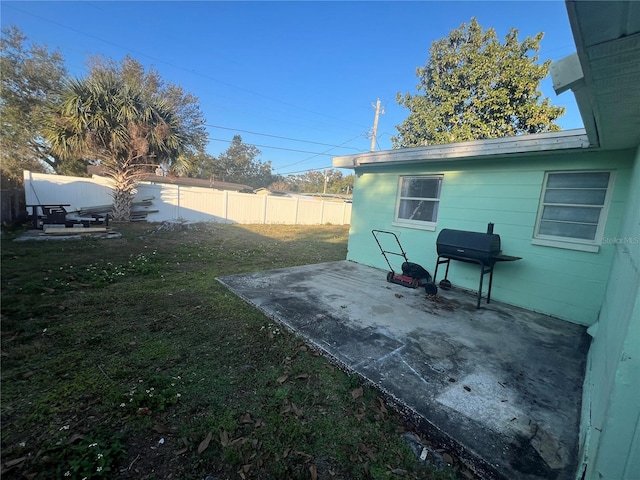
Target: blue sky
{"x":296,"y":79}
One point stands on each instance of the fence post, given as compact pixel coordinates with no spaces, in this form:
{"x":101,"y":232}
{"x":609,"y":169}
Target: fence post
{"x":264,"y":209}
{"x":295,"y":211}
{"x":178,"y":201}
{"x":321,"y":212}
{"x":225,"y":206}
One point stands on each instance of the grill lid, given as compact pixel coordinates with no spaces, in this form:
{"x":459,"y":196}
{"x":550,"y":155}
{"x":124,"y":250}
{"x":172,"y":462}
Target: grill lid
{"x":473,"y":247}
{"x":462,"y":241}
{"x":467,"y":246}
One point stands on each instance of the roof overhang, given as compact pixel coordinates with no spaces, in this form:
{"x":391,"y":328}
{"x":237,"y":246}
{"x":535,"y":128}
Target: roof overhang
{"x":518,"y":146}
{"x":603,"y":73}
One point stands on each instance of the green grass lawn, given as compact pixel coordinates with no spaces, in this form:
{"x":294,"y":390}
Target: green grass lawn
{"x":125,"y":358}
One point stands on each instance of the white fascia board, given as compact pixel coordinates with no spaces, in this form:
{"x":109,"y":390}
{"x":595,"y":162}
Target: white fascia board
{"x":498,"y":147}
{"x":581,"y":89}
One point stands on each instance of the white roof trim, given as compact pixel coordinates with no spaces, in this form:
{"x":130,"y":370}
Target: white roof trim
{"x":519,"y":145}
{"x":581,"y":90}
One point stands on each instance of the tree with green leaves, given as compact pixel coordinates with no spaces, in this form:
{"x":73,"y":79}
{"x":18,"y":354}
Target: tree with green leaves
{"x":281,"y":185}
{"x":113,"y":121}
{"x":321,"y":181}
{"x":204,"y":166}
{"x":32,"y":77}
{"x":312,"y":181}
{"x":474,"y":87}
{"x":343,"y":184}
{"x":240,"y":164}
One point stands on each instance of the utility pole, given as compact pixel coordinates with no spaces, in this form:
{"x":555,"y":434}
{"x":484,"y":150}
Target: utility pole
{"x":374,"y":132}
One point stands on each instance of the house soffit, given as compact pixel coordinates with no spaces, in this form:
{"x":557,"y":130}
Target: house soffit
{"x":607,"y":37}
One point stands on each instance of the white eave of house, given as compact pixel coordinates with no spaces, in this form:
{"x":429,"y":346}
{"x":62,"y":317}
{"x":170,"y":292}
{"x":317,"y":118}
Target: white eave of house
{"x":517,"y":146}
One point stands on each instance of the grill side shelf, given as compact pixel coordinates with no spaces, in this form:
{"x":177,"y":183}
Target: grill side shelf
{"x":505,"y":258}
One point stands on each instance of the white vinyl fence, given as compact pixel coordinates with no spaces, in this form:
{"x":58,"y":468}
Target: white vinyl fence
{"x":196,"y":204}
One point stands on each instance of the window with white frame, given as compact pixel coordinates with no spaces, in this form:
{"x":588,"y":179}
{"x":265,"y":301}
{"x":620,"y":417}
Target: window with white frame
{"x":573,"y":208}
{"x":418,"y":200}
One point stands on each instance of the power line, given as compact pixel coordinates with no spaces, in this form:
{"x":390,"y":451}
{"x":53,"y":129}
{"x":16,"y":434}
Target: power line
{"x":196,"y":73}
{"x":274,"y":148}
{"x":315,"y":154}
{"x":307,"y":170}
{"x":282,"y":138}
{"x":191,"y":71}
{"x":311,"y":158}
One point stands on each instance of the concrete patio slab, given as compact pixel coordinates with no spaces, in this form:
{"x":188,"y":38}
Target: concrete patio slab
{"x":499,"y":385}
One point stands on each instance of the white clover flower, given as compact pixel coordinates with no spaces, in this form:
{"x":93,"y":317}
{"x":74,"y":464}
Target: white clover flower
{"x":93,"y":445}
{"x":99,"y":469}
{"x":67,"y":473}
{"x":122,"y":404}
{"x":100,"y":456}
{"x":64,"y":427}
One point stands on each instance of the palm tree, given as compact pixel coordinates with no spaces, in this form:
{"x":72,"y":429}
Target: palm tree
{"x":108,"y":120}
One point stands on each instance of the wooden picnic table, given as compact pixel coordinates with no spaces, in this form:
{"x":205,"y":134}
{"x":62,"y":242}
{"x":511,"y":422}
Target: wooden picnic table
{"x":51,"y":213}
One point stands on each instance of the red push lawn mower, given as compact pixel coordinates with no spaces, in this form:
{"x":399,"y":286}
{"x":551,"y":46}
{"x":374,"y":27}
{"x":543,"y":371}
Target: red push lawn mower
{"x":413,"y":275}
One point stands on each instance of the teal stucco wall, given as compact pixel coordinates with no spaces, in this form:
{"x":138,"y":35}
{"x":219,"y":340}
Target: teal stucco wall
{"x":610,"y":427}
{"x":568,"y":284}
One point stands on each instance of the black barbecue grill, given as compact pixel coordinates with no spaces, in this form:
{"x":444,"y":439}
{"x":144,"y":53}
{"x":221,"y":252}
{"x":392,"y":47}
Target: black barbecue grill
{"x":482,"y":249}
